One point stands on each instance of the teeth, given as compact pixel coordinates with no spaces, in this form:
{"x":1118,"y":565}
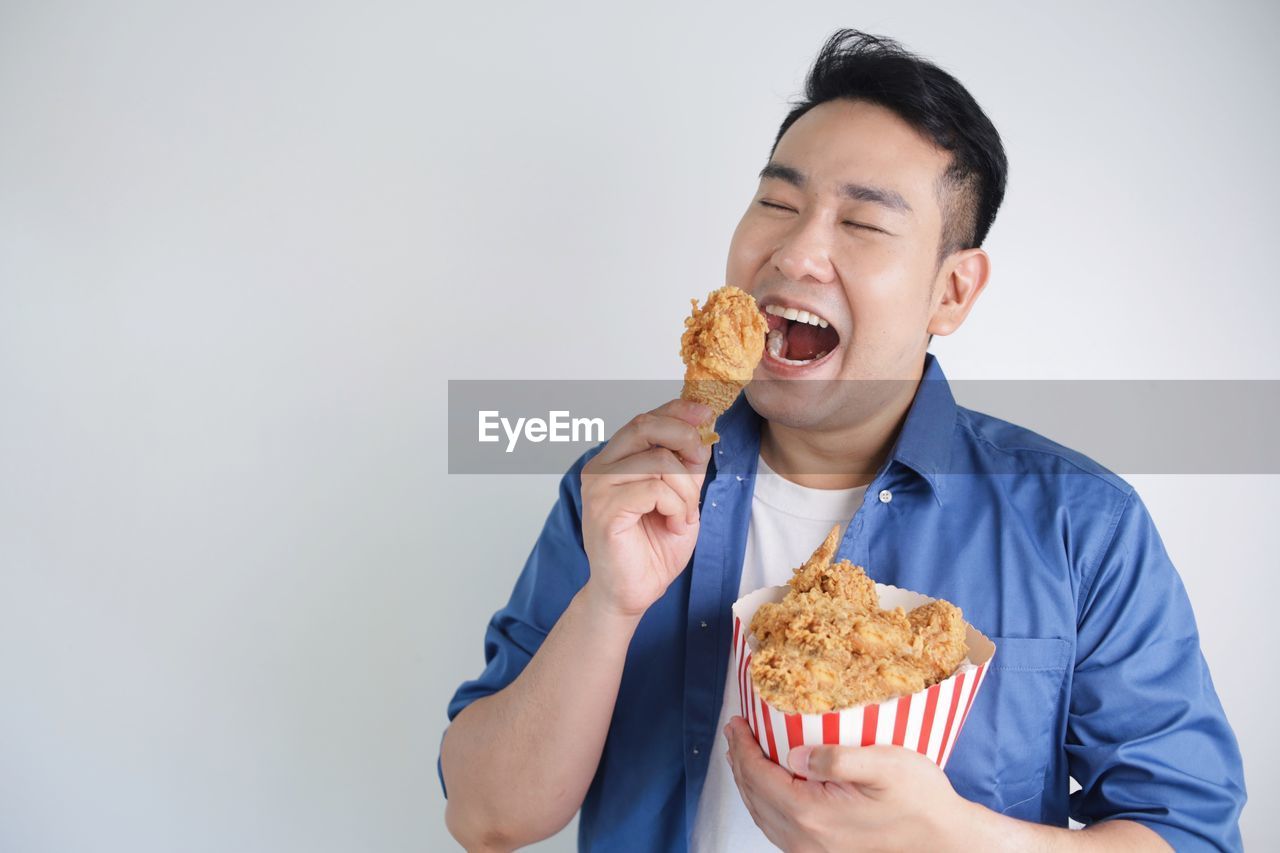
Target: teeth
{"x":774,"y":343}
{"x":797,"y":315}
{"x":791,"y":361}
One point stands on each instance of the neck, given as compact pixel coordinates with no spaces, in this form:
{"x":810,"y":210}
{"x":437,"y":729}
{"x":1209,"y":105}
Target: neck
{"x":840,"y":457}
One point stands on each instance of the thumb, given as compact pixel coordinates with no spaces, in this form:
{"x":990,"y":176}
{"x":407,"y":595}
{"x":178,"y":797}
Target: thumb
{"x":859,"y":765}
{"x":694,"y":414}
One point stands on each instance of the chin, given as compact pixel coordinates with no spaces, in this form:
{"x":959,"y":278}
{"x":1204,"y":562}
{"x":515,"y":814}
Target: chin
{"x":798,"y":404}
{"x":833,"y":403}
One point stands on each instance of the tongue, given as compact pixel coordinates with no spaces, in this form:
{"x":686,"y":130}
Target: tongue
{"x":805,"y":342}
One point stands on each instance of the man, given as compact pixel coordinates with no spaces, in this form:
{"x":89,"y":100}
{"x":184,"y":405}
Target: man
{"x":605,"y":683}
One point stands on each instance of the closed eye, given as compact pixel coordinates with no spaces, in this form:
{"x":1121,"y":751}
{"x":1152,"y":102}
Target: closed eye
{"x":846,"y":222}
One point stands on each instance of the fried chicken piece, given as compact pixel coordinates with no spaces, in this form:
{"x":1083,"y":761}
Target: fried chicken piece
{"x":795,"y":683}
{"x":827,"y":645}
{"x":890,"y":678}
{"x":817,"y":625}
{"x":807,"y":683}
{"x":722,"y":343}
{"x":939,"y":625}
{"x":883,"y":634}
{"x":842,"y":580}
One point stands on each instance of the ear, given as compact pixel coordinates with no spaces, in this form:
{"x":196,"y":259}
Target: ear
{"x":961,"y":279}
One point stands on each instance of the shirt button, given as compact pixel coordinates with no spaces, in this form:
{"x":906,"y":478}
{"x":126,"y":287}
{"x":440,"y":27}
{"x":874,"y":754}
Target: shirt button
{"x":886,"y":496}
{"x":695,"y":751}
{"x":704,"y":624}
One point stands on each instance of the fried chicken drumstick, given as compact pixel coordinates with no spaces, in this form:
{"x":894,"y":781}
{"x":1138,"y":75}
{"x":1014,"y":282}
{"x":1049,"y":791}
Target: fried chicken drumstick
{"x":722,"y":343}
{"x":828,"y":646}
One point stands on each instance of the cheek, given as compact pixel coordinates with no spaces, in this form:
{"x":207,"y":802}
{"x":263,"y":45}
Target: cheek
{"x":876,"y":262}
{"x":886,"y":287}
{"x":752,"y":245}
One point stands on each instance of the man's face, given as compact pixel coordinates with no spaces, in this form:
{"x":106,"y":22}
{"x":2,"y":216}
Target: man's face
{"x":848,"y":229}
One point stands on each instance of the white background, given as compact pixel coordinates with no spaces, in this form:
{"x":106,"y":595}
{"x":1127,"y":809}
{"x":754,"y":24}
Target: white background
{"x":244,"y":245}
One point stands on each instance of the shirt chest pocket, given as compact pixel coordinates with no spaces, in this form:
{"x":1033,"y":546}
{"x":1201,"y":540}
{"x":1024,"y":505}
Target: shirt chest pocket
{"x":1014,"y":726}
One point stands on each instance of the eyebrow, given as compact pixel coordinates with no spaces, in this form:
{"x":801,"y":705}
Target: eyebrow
{"x":890,"y":199}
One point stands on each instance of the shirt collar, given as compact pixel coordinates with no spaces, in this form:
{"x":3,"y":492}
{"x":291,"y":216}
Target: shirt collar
{"x":923,"y":445}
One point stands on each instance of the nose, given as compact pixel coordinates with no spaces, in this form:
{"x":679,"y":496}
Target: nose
{"x":806,"y":251}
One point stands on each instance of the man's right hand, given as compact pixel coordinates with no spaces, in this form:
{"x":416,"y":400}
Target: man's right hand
{"x":640,"y":506}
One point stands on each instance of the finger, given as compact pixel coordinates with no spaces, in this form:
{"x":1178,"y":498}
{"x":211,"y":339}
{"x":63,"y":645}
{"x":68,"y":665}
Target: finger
{"x":688,"y":411}
{"x":659,"y":462}
{"x":657,"y":429}
{"x":642,"y":497}
{"x":744,"y":789}
{"x":772,"y":818}
{"x":746,"y":798}
{"x":677,"y":525}
{"x":865,"y":766}
{"x":761,"y":773}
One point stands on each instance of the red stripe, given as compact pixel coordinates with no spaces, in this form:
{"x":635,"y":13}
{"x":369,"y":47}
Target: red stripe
{"x":742,"y":687}
{"x":926,"y":727}
{"x":977,"y":682}
{"x":795,"y":734}
{"x":830,"y":728}
{"x":870,"y":716}
{"x":795,"y":730}
{"x":751,"y":695}
{"x":737,"y":656}
{"x":951,"y":716}
{"x":768,"y":730}
{"x":742,"y":696}
{"x":969,"y":701}
{"x":900,"y":721}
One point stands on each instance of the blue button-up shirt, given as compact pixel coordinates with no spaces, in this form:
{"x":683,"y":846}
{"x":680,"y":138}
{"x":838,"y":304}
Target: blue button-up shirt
{"x":1098,"y":673}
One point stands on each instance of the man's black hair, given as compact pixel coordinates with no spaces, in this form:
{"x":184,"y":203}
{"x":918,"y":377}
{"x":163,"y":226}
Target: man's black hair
{"x":856,"y":66}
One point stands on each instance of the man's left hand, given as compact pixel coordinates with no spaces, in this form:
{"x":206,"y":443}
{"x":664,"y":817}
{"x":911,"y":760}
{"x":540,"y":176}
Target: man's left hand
{"x":853,"y":797}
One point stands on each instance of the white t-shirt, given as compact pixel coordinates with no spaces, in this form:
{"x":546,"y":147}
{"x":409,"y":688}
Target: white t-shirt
{"x":788,"y":522}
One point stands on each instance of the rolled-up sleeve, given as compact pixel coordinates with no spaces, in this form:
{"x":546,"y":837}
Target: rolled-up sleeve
{"x":553,"y":574}
{"x":1147,"y":738}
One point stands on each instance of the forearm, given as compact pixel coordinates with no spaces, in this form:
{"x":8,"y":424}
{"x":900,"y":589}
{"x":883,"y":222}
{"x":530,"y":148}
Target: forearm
{"x":517,"y":764}
{"x":1001,"y":833}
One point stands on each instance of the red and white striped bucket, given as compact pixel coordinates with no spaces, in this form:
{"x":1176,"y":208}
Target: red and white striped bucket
{"x":928,"y":722}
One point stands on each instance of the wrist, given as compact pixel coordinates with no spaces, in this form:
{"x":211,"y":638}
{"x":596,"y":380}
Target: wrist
{"x":985,"y":829}
{"x":596,"y":604}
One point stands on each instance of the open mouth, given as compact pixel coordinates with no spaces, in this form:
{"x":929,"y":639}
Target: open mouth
{"x":798,"y":337}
